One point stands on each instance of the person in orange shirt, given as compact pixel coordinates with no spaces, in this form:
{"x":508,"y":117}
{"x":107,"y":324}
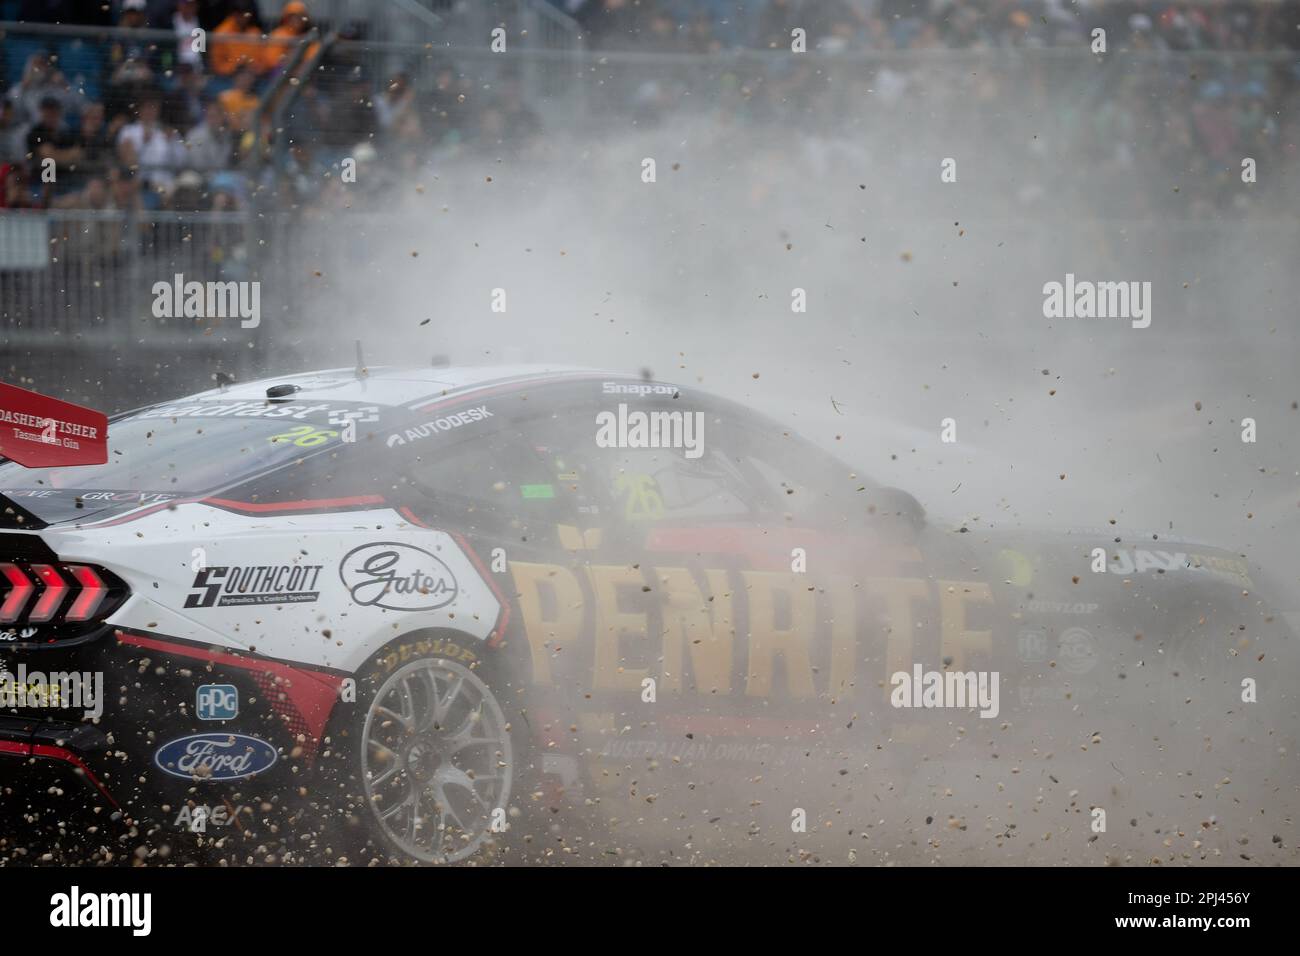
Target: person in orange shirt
{"x":239,"y":103}
{"x":237,"y":40}
{"x":294,"y":23}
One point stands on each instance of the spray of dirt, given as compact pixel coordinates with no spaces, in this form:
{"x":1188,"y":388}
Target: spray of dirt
{"x":924,"y":302}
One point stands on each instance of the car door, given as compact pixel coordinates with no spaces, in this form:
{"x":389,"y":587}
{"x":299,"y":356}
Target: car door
{"x":712,"y":612}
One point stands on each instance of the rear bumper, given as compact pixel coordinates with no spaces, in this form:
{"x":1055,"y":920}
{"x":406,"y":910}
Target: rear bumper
{"x":69,"y":749}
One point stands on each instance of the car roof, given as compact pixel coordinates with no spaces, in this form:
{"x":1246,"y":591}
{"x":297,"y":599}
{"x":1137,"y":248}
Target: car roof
{"x":406,"y":387}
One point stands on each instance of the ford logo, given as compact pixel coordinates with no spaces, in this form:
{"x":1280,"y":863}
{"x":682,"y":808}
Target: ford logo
{"x":399,"y":577}
{"x":215,"y":757}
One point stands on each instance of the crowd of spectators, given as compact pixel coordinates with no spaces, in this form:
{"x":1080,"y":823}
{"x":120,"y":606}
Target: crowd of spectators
{"x":134,"y":117}
{"x":143,"y":117}
{"x":705,"y":26}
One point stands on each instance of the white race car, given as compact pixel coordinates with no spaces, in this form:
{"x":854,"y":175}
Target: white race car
{"x":423,"y":614}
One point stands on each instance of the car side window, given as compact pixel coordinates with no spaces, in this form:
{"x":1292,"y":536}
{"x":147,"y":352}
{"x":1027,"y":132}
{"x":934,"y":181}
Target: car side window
{"x":786,"y":474}
{"x":648,"y":485}
{"x":495,"y":483}
{"x":643,"y":463}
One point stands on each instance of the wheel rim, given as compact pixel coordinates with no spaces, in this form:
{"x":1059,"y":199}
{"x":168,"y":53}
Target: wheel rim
{"x":437,"y":762}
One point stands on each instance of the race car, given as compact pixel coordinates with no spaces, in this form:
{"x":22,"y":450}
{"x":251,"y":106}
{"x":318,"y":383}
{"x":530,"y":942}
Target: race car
{"x":461,"y":614}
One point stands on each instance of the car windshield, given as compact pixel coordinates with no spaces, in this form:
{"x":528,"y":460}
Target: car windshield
{"x":179,"y":450}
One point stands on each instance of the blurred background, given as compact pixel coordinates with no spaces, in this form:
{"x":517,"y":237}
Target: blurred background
{"x":520,"y":168}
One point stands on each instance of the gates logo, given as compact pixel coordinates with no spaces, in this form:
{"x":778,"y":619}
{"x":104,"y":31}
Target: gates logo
{"x":215,"y":756}
{"x":217,"y":702}
{"x":398,"y":577}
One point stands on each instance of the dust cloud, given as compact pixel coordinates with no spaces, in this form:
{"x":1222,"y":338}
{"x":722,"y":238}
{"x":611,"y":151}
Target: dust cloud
{"x":924,"y":302}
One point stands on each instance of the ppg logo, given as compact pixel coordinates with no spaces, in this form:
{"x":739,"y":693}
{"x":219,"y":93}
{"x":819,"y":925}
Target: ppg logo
{"x":217,"y":702}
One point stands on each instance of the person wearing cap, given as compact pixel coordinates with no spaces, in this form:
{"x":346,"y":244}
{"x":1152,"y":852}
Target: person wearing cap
{"x":185,"y":20}
{"x":294,"y":23}
{"x":132,"y":61}
{"x":187,"y":195}
{"x":134,"y":14}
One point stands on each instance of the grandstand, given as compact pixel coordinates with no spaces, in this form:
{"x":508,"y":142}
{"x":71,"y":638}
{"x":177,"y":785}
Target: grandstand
{"x":194,"y":136}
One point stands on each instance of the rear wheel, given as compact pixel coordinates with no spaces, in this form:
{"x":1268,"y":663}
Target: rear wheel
{"x":436,"y":761}
{"x":423,"y":767}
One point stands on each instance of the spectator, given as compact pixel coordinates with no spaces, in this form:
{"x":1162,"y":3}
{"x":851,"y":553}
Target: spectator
{"x":775,"y":21}
{"x":183,"y":104}
{"x":94,"y":195}
{"x":114,"y":241}
{"x":152,"y":148}
{"x":132,"y":64}
{"x":13,"y":132}
{"x":15,"y":191}
{"x":188,"y":194}
{"x":183,"y":23}
{"x":40,"y":81}
{"x":301,"y":172}
{"x":310,"y":115}
{"x":612,"y":24}
{"x":831,"y":24}
{"x":134,"y":15}
{"x":229,"y":192}
{"x":237,"y":41}
{"x":210,"y":145}
{"x":49,"y":139}
{"x":443,"y":106}
{"x":699,"y":38}
{"x":520,"y":126}
{"x":240,"y":102}
{"x":128,"y":51}
{"x":352,"y":113}
{"x":88,"y":240}
{"x":124,"y":190}
{"x":95,"y":140}
{"x":294,"y":24}
{"x":395,"y":102}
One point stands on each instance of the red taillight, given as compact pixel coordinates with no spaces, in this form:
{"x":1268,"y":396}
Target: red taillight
{"x":52,"y":596}
{"x":93,"y":592}
{"x":20,"y":589}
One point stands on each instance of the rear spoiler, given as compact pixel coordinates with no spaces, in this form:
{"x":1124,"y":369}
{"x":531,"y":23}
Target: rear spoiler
{"x":14,"y":515}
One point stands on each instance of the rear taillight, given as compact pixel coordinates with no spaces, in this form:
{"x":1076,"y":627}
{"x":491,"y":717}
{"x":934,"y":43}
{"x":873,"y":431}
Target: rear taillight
{"x":56,"y":593}
{"x":20,"y":589}
{"x":53,"y":590}
{"x":92,"y":594}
